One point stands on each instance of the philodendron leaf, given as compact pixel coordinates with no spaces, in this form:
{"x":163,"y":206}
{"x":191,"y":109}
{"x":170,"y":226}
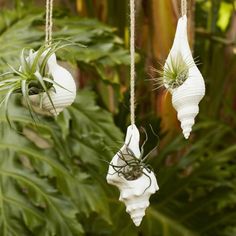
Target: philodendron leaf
{"x":103,"y":48}
{"x":70,"y":169}
{"x":94,"y":119}
{"x":16,"y":34}
{"x":43,"y":208}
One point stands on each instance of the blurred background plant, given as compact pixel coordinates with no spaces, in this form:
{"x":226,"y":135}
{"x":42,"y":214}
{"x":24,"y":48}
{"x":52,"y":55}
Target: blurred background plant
{"x":52,"y":174}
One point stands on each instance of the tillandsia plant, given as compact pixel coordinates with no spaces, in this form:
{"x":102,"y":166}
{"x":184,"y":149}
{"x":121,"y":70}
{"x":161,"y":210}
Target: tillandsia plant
{"x":132,"y":167}
{"x":174,"y":73}
{"x":37,"y":75}
{"x":134,"y":178}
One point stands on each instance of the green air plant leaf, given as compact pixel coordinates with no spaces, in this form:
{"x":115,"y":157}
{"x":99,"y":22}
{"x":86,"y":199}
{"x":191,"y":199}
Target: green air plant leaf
{"x":174,"y":73}
{"x":24,"y":64}
{"x":53,"y":48}
{"x":24,"y":89}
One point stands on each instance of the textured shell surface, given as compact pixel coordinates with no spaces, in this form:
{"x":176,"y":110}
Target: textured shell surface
{"x":187,"y":96}
{"x":62,"y":93}
{"x":134,"y":194}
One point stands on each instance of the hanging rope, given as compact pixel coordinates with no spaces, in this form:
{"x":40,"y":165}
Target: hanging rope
{"x":49,"y":24}
{"x":132,"y":62}
{"x":183,"y":7}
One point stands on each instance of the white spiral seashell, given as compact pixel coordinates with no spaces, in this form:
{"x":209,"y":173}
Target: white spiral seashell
{"x":134,"y":194}
{"x":63,"y":95}
{"x":187,"y":96}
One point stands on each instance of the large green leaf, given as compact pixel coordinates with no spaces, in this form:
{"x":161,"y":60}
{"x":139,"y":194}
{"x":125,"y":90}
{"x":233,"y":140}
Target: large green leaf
{"x":55,"y":173}
{"x":30,"y":203}
{"x":102,"y":49}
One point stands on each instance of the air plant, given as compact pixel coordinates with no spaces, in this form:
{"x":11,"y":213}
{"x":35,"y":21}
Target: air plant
{"x":134,"y":178}
{"x":31,"y":78}
{"x":174,"y":73}
{"x":131,"y":167}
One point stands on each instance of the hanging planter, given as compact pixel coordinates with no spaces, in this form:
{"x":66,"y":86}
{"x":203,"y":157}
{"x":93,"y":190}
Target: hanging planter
{"x":39,"y":79}
{"x":40,"y":76}
{"x":182,"y":78}
{"x":127,"y":170}
{"x":134,"y":179}
{"x":63,"y":91}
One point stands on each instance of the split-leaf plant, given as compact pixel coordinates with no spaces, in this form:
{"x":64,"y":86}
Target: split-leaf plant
{"x":47,"y":170}
{"x":47,"y":174}
{"x":52,"y":174}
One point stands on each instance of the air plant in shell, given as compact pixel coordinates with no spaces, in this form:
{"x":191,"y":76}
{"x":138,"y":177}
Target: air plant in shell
{"x":181,"y":77}
{"x":133,"y":177}
{"x":36,"y":77}
{"x":174,"y":73}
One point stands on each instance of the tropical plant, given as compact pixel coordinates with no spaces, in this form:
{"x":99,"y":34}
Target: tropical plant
{"x":45,"y":181}
{"x":31,"y":78}
{"x":46,"y":174}
{"x":52,"y":174}
{"x":197,"y":180}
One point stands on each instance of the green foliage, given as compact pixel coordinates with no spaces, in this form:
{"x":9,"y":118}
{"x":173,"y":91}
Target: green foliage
{"x":52,"y":175}
{"x":21,"y":30}
{"x":197,"y":193}
{"x":102,"y":56}
{"x":43,"y":189}
{"x":47,"y":178}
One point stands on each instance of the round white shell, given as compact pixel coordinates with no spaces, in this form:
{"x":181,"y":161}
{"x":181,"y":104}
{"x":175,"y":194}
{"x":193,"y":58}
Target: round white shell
{"x":63,"y":95}
{"x":186,"y":97}
{"x":134,"y":194}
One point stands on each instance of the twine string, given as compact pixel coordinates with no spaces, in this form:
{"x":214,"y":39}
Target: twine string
{"x":132,"y":62}
{"x":183,"y":7}
{"x":49,"y":22}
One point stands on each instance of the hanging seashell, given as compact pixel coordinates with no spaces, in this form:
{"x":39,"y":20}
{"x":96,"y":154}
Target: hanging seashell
{"x":63,"y":92}
{"x":183,"y":79}
{"x":135,"y":187}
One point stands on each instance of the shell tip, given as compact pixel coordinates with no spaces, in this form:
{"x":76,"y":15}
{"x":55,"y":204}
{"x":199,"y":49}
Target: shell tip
{"x":137,"y":222}
{"x":186,"y":135}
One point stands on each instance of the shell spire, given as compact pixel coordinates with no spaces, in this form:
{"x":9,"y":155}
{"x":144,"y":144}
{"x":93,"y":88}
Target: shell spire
{"x":134,"y":194}
{"x":191,"y":88}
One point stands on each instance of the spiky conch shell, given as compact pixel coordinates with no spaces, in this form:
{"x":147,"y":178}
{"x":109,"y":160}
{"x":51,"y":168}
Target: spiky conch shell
{"x":134,"y":194}
{"x":62,"y":93}
{"x":187,"y":96}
